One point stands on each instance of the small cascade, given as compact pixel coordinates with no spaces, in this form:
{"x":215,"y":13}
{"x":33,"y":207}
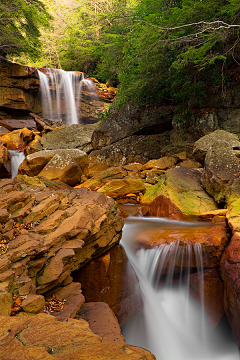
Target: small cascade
{"x":171,"y":325}
{"x":16,"y":160}
{"x":61,"y":94}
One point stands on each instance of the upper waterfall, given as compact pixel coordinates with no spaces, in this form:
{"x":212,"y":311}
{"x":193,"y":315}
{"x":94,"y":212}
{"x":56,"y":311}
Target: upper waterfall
{"x":61,"y":94}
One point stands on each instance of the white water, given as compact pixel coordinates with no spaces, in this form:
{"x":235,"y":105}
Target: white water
{"x":172,"y":326}
{"x":16,"y":160}
{"x":61,"y":94}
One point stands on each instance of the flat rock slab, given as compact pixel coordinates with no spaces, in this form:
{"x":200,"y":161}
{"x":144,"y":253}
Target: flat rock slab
{"x":42,"y":337}
{"x":18,"y":124}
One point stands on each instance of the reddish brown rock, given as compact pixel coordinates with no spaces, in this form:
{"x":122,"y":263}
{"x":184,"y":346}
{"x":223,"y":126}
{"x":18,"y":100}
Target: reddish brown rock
{"x":111,"y":280}
{"x":33,"y":303}
{"x":230,"y":272}
{"x":44,"y":338}
{"x":213,"y":240}
{"x":17,"y":139}
{"x":74,"y":299}
{"x":212,"y":286}
{"x":102,"y":321}
{"x":5,"y":163}
{"x":178,"y":195}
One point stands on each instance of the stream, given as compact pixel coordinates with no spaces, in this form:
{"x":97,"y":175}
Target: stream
{"x":171,"y":324}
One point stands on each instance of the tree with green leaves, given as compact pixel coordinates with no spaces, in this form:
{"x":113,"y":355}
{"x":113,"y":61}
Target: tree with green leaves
{"x":20,"y":24}
{"x":176,"y":50}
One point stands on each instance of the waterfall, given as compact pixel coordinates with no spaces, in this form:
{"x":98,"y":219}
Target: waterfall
{"x":171,"y":325}
{"x":61,"y":94}
{"x":16,"y":160}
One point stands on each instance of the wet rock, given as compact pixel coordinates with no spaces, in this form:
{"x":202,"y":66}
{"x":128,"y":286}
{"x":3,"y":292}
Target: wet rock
{"x":202,"y":145}
{"x":178,"y":195}
{"x":131,"y":120}
{"x":221,"y":168}
{"x":213,"y":240}
{"x":212,"y":285}
{"x":230,"y":272}
{"x":102,"y":321}
{"x":33,"y":303}
{"x":109,"y":279}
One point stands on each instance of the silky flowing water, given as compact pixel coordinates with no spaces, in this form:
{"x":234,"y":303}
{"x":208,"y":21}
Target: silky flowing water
{"x":61,"y":94}
{"x":16,"y":160}
{"x":171,"y":325}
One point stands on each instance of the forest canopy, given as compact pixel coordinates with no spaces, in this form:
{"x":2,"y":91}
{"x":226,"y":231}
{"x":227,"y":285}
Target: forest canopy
{"x":20,"y":24}
{"x":157,"y":51}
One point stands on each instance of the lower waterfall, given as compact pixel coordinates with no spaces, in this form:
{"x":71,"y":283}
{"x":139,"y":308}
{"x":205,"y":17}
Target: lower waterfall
{"x":171,"y":325}
{"x":17,"y":158}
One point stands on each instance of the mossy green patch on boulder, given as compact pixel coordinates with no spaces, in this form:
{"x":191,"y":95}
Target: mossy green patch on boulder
{"x":179,"y":195}
{"x":233,"y":215}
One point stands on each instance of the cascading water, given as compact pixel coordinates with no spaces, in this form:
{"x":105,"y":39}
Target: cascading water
{"x":172,"y":325}
{"x":61,"y":94}
{"x":16,"y":160}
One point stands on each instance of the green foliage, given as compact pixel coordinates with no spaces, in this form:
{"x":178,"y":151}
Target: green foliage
{"x":20,"y":24}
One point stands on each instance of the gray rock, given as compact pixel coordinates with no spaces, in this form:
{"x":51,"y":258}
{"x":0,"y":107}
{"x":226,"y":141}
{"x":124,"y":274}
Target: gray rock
{"x":132,"y":149}
{"x":131,"y":120}
{"x":69,"y":137}
{"x":221,"y":169}
{"x":202,"y":145}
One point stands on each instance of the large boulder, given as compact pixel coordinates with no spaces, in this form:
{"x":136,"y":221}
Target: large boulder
{"x":202,"y":145}
{"x":48,"y":234}
{"x":221,"y":168}
{"x":178,"y":195}
{"x":46,"y":338}
{"x":68,"y":137}
{"x":17,"y":139}
{"x":66,"y":165}
{"x":135,"y":148}
{"x":131,"y":120}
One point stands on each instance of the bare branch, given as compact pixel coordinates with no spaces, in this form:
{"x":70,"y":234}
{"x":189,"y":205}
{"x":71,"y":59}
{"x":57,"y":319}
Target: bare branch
{"x":224,"y":25}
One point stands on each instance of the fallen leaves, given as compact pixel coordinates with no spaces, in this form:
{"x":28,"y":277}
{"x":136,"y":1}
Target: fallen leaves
{"x":54,"y":304}
{"x":17,"y":301}
{"x":3,"y":246}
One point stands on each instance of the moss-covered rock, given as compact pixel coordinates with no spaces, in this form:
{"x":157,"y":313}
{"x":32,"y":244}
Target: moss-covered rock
{"x":220,"y":170}
{"x":178,"y":195}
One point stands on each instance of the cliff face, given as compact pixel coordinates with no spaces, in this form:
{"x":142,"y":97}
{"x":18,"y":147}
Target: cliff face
{"x":19,"y":87}
{"x":20,"y":95}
